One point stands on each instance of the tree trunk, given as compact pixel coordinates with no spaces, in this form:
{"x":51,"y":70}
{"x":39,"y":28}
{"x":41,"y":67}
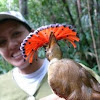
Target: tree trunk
{"x":79,"y":14}
{"x":92,"y":34}
{"x":79,"y":6}
{"x":23,"y":7}
{"x":97,"y":2}
{"x":68,"y":11}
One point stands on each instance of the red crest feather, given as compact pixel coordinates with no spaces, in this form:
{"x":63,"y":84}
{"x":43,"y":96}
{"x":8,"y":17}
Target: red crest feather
{"x":40,"y":38}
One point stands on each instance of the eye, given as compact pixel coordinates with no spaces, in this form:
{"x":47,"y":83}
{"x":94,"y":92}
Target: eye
{"x":2,"y":43}
{"x":16,"y":34}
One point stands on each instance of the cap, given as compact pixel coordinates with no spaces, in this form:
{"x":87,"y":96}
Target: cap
{"x":13,"y":15}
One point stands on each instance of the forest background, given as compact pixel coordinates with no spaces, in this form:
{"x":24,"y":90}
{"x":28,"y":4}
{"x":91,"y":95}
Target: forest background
{"x":84,"y":15}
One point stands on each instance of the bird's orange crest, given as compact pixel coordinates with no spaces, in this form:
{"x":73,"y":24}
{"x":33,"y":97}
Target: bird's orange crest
{"x":40,"y":37}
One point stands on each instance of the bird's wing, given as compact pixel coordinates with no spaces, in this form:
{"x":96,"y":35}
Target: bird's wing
{"x":94,"y":74}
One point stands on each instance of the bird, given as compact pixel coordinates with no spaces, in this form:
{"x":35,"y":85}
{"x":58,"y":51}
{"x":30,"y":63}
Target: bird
{"x":67,"y":78}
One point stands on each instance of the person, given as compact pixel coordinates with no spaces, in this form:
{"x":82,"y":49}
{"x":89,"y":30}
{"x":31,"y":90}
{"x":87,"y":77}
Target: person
{"x":25,"y":81}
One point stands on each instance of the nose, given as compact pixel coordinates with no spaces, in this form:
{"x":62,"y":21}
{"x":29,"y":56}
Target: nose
{"x":13,"y":44}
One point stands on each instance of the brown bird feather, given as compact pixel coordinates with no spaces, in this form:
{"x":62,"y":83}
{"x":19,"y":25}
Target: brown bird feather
{"x":69,"y":79}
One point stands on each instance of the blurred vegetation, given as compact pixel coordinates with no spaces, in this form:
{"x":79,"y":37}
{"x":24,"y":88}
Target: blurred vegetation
{"x":84,"y":15}
{"x":4,"y":66}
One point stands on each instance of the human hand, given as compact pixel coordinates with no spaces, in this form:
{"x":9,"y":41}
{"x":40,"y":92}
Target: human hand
{"x":52,"y":97}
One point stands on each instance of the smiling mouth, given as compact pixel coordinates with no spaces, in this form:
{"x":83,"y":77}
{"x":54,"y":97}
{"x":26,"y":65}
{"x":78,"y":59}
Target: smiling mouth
{"x":17,"y":55}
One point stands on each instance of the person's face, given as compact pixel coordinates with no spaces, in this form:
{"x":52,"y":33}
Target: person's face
{"x":12,"y":34}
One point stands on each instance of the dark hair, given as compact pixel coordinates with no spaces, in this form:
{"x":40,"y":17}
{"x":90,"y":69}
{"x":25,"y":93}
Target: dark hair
{"x":24,"y":24}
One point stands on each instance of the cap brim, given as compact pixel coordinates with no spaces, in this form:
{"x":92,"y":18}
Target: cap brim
{"x":7,"y":16}
{"x":13,"y":15}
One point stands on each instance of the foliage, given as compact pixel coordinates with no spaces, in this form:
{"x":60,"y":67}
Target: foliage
{"x":43,"y":12}
{"x":4,"y":66}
